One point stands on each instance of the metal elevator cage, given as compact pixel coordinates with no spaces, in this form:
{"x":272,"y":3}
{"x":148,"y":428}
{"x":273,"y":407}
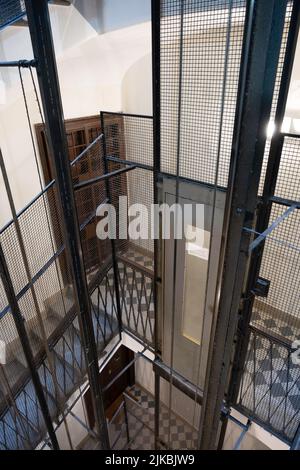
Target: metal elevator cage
{"x":66,"y":297}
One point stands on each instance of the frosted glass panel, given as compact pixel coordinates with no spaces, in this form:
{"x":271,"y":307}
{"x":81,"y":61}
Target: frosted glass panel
{"x":195,"y":275}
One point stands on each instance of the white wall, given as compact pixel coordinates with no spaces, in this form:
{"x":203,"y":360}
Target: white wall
{"x":91,"y":69}
{"x":137,"y":87}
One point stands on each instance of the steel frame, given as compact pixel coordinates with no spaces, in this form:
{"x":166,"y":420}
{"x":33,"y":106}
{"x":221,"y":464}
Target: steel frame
{"x":21,"y":329}
{"x":264,"y":27}
{"x":41,"y":36}
{"x":264,"y":207}
{"x":112,"y":241}
{"x":258,"y":75}
{"x":155,"y":22}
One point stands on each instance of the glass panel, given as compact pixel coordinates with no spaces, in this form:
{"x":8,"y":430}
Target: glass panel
{"x":195,"y":275}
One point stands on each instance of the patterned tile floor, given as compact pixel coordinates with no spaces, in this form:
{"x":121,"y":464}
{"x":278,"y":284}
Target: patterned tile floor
{"x":140,"y":410}
{"x":284,"y":325}
{"x":271,"y":382}
{"x":270,"y":387}
{"x":136,"y":294}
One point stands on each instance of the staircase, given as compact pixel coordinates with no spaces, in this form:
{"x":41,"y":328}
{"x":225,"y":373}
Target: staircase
{"x":21,"y":421}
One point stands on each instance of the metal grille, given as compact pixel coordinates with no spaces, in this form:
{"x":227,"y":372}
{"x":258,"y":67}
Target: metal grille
{"x":90,"y":164}
{"x":136,"y":288}
{"x":288,"y":178}
{"x":193,"y":74}
{"x":279,"y":313}
{"x":276,"y":91}
{"x":129,"y":140}
{"x":11,"y":11}
{"x":46,"y":300}
{"x":269,"y":391}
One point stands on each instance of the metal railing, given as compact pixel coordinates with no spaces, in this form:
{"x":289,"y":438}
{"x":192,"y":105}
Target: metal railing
{"x":40,"y":226}
{"x":269,"y":389}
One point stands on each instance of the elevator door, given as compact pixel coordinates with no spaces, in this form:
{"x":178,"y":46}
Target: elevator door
{"x":186,"y":331}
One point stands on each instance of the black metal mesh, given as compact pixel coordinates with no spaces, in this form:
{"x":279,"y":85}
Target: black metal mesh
{"x":192,"y":79}
{"x":10,"y":11}
{"x":87,"y":166}
{"x":276,"y":91}
{"x":269,"y":390}
{"x":270,"y":385}
{"x":279,"y":313}
{"x":46,"y":301}
{"x":130,"y":139}
{"x":288,"y":178}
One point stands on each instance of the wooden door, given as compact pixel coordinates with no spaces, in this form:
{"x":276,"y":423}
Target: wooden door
{"x":117,"y":363}
{"x":80,"y":133}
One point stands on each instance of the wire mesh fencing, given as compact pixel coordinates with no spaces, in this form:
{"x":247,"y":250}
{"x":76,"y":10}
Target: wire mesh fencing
{"x":201,"y":43}
{"x":46,"y":299}
{"x":11,"y":11}
{"x":129,"y":141}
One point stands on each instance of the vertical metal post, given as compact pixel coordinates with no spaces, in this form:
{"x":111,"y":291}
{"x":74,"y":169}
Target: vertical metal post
{"x":20,"y":326}
{"x":296,"y":441}
{"x":157,"y":409}
{"x":112,"y":241}
{"x":126,"y":421}
{"x":42,"y":43}
{"x":224,"y":421}
{"x":262,"y":40}
{"x":265,"y":207}
{"x":155,"y":16}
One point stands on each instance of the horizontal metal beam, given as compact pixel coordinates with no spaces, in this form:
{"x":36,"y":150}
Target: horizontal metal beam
{"x":179,"y":382}
{"x":114,"y":113}
{"x":285,"y":202}
{"x":113,"y":159}
{"x":19,"y":63}
{"x":61,"y":3}
{"x":133,"y":361}
{"x":105,"y":177}
{"x":270,"y":229}
{"x":290,"y":134}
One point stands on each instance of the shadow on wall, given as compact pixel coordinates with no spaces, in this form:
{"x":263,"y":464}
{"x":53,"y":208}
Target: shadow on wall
{"x":137,"y":87}
{"x":108,"y":15}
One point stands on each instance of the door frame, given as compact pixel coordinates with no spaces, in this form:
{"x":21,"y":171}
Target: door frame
{"x":198,"y":193}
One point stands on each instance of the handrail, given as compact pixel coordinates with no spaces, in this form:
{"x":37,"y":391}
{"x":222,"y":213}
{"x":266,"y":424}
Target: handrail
{"x":142,"y":116}
{"x":272,"y":337}
{"x":60,"y":249}
{"x":46,"y":265}
{"x":19,"y":63}
{"x":49,"y":185}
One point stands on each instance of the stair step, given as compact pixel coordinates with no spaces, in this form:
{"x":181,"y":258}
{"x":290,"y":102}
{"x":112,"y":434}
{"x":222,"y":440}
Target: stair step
{"x":28,"y":405}
{"x":14,"y":370}
{"x":107,"y":326}
{"x":10,"y":435}
{"x":70,"y":352}
{"x":61,"y":303}
{"x":66,"y":375}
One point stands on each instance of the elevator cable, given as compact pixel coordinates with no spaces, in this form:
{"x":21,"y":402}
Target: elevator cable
{"x":49,"y":354}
